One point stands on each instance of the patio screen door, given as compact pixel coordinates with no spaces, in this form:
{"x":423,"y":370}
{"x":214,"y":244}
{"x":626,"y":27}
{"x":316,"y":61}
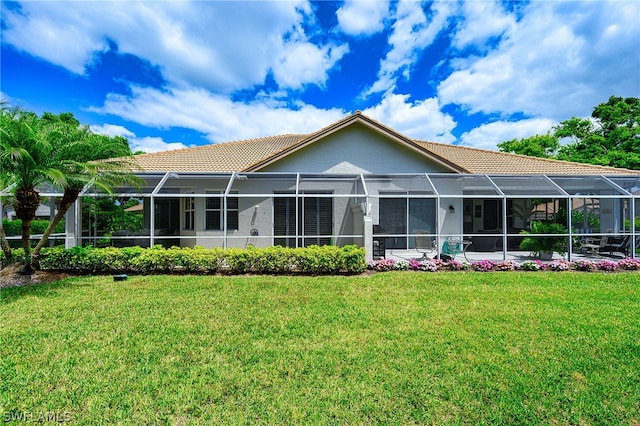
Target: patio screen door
{"x":403,"y":216}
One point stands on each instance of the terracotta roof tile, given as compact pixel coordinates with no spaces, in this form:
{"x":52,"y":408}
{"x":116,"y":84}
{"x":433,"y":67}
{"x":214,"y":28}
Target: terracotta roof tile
{"x":481,"y":161}
{"x":220,"y":157}
{"x":249,"y":154}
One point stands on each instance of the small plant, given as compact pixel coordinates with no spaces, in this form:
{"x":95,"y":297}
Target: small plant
{"x":483,"y":266}
{"x":456,"y":265}
{"x":423,"y":265}
{"x":383,"y":265}
{"x":544,"y":246}
{"x":506,"y":265}
{"x":532,"y":265}
{"x":584,"y":265}
{"x":629,"y":264}
{"x":402,"y":265}
{"x":559,"y":265}
{"x":607,"y":265}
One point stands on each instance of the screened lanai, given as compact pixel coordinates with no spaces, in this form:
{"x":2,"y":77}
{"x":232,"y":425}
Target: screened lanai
{"x":391,"y":215}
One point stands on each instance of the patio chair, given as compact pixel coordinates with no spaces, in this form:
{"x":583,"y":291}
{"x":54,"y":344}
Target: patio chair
{"x":621,"y":246}
{"x":424,"y":243}
{"x":452,"y":247}
{"x":595,"y":245}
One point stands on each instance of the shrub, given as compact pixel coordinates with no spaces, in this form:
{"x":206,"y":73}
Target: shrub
{"x":383,"y":265}
{"x":13,"y":228}
{"x":483,"y":266}
{"x":402,"y":265}
{"x":558,"y":265}
{"x":506,"y":265}
{"x":423,"y":265}
{"x":584,"y":265}
{"x":607,"y":265}
{"x":629,"y":264}
{"x":456,"y":265}
{"x":532,"y":265}
{"x":272,"y":260}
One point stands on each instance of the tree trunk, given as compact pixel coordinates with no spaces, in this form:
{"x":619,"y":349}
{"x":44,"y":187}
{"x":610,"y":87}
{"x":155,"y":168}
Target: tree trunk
{"x":70,"y":196}
{"x":5,"y":246}
{"x":28,"y":201}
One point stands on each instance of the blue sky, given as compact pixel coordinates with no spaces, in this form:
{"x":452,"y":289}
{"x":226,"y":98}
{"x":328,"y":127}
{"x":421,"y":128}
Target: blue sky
{"x":169,"y":74}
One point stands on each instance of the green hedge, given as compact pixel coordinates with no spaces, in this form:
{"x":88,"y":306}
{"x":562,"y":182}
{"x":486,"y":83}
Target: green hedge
{"x":38,"y":226}
{"x":13,"y":228}
{"x":313,"y":260}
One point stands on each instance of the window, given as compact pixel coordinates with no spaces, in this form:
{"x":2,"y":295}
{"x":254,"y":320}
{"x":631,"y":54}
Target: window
{"x":214,"y":213}
{"x":189,"y":212}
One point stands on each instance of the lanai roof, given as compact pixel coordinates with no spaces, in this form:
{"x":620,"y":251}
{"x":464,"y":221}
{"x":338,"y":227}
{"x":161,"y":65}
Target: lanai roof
{"x":254,"y":154}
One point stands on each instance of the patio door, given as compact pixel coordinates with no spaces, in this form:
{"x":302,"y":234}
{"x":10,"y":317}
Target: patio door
{"x":313,"y":216}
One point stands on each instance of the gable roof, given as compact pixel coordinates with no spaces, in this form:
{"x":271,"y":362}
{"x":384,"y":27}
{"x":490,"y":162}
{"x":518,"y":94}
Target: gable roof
{"x":255,"y":154}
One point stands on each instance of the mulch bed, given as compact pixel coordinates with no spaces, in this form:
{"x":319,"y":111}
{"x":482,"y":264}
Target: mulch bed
{"x":10,"y":276}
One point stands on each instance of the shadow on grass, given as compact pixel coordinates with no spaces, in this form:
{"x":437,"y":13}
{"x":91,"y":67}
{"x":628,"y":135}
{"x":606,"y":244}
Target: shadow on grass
{"x":41,"y":289}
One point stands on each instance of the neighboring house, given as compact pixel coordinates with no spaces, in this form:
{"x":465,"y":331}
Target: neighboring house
{"x":360,"y":182}
{"x":43,"y":212}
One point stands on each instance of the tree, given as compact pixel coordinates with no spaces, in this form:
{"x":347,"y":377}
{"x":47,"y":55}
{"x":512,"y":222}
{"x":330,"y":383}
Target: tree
{"x":56,"y":150}
{"x":611,"y":137}
{"x":77,"y":154}
{"x":545,"y":146}
{"x":6,"y":249}
{"x":26,"y":159}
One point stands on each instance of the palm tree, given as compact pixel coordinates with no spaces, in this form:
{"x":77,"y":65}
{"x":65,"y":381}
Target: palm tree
{"x":26,"y":156}
{"x":78,"y":153}
{"x":6,"y":249}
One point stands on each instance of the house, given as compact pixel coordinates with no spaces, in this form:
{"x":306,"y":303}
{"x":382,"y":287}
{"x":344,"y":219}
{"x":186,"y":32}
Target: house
{"x":360,"y":182}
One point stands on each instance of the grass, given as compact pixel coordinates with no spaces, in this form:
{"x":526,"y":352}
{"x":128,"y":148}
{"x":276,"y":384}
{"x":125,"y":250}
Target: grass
{"x":398,"y":348}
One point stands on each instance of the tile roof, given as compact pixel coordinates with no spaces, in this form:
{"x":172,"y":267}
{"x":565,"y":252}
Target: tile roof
{"x":220,"y":157}
{"x":253,"y":154}
{"x":482,"y":161}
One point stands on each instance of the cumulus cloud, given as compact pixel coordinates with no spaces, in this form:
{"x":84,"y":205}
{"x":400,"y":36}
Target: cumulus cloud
{"x":361,"y":17}
{"x":481,"y":21}
{"x":144,"y":144}
{"x":220,"y":46}
{"x":488,"y":136}
{"x":411,"y":33}
{"x":419,"y":120}
{"x":561,"y":60}
{"x":217,"y":117}
{"x":306,"y":62}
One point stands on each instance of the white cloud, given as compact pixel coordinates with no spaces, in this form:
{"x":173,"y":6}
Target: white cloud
{"x":112,"y":130}
{"x":481,"y":21}
{"x":412,"y":32}
{"x":221,"y":46}
{"x":561,"y":60}
{"x":488,"y":136}
{"x":420,"y":120}
{"x":362,"y":17}
{"x":145,"y":144}
{"x":306,"y":62}
{"x":153,"y":144}
{"x":216,"y":116}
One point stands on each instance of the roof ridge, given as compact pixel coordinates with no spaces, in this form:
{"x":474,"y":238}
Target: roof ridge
{"x":529,"y":157}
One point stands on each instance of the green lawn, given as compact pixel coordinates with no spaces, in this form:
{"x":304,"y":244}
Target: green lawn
{"x":398,"y":348}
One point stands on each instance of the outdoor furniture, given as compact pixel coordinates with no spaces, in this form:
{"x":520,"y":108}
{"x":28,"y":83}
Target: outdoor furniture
{"x":453,"y":247}
{"x":620,"y":246}
{"x":594,"y":245}
{"x":424,"y":243}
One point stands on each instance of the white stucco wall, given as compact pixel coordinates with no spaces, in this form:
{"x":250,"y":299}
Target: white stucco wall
{"x":355,"y":149}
